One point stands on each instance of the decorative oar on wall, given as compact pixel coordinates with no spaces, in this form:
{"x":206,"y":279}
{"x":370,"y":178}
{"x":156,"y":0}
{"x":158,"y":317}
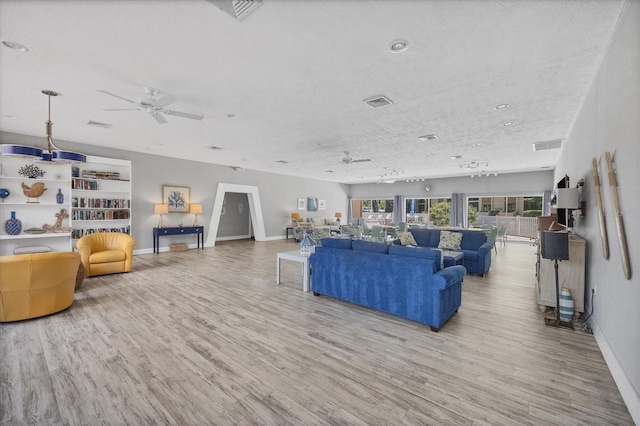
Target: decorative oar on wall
{"x":622,"y":239}
{"x":603,"y":224}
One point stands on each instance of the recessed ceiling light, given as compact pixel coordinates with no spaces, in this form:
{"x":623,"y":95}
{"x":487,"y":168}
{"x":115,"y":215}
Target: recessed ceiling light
{"x":479,"y":144}
{"x":430,"y":137}
{"x":15,"y":46}
{"x":502,"y":106}
{"x":231,"y":115}
{"x":507,"y":124}
{"x":399,"y":45}
{"x":455,"y":157}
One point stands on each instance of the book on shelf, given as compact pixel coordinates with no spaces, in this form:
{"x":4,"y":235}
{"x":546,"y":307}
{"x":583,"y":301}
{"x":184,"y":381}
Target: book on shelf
{"x":106,"y":203}
{"x":78,"y":233}
{"x":78,"y":214}
{"x":92,"y":174}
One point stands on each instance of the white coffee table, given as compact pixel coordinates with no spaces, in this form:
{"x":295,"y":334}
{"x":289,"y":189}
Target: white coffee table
{"x":295,"y":256}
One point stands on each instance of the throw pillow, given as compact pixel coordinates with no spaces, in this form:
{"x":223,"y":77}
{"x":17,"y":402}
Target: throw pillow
{"x":450,"y":240}
{"x":318,"y":221}
{"x":406,"y":239}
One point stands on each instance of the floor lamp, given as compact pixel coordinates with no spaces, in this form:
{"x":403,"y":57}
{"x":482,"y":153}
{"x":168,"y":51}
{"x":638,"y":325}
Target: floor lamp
{"x":555,"y":246}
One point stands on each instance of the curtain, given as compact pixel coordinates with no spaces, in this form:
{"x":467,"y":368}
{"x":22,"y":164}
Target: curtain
{"x":398,"y":209}
{"x":546,"y":202}
{"x":458,"y":210}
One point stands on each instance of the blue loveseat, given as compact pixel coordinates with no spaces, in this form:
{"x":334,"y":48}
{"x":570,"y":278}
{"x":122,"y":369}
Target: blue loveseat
{"x":403,"y":281}
{"x":474,"y":246}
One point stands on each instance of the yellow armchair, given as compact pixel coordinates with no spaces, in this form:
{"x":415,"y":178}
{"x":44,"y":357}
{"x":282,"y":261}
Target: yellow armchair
{"x":106,"y":253}
{"x":37,"y":284}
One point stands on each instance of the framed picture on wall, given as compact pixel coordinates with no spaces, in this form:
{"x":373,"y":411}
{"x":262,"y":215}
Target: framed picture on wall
{"x":322,"y":204}
{"x":302,"y":204}
{"x":312,"y":204}
{"x":176,"y":197}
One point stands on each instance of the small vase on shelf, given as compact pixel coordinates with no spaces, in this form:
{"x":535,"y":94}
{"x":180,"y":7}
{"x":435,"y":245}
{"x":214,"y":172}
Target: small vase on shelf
{"x":13,"y":226}
{"x":60,"y":197}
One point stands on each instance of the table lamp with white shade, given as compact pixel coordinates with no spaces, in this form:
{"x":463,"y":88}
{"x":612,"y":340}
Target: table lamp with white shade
{"x":195,"y":209}
{"x":568,"y":199}
{"x":161,"y":209}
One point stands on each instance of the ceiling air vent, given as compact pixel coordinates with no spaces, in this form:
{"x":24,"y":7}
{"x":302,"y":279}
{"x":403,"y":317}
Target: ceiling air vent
{"x":431,"y":137}
{"x":98,"y":124}
{"x":544,"y":145}
{"x":378,"y":101}
{"x":239,"y":9}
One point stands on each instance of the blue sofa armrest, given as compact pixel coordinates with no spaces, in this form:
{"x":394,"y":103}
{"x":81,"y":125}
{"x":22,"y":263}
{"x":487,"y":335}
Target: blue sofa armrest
{"x":448,"y":276}
{"x":485,"y":248}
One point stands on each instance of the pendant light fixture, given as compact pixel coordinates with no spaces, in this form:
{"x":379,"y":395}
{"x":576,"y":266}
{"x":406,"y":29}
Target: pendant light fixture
{"x":56,"y":154}
{"x":52,"y":154}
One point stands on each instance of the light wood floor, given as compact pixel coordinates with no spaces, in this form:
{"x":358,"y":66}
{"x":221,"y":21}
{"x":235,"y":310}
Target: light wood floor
{"x":206,"y":337}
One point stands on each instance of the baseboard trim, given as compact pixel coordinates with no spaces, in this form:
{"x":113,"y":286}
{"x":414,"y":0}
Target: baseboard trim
{"x":629,"y":394}
{"x":163,"y":249}
{"x":235,"y":237}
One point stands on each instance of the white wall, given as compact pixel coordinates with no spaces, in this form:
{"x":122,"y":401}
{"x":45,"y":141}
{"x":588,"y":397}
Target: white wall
{"x":609,"y":121}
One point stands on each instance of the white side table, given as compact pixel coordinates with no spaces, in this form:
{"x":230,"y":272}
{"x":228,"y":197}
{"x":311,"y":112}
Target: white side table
{"x":295,"y":256}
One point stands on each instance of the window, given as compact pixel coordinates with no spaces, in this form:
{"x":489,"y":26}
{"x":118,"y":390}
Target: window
{"x":373,"y":211}
{"x":418,"y":209}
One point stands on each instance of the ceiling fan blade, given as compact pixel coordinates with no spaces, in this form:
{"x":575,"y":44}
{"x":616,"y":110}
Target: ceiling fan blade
{"x":164,"y":101}
{"x":158,"y":117}
{"x":121,"y":109}
{"x":117,"y":96}
{"x":364,"y":160}
{"x":183,"y":114}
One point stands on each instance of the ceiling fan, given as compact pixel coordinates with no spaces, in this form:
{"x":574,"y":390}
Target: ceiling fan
{"x":347,"y":159}
{"x":155,"y":107}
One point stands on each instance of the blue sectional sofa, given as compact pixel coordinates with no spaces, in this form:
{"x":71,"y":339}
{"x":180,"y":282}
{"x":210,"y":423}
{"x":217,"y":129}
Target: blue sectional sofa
{"x":403,"y":281}
{"x":474,"y":246}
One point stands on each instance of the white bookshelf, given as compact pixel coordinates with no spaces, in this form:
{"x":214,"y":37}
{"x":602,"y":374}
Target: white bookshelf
{"x":101,"y":203}
{"x":34,"y":214}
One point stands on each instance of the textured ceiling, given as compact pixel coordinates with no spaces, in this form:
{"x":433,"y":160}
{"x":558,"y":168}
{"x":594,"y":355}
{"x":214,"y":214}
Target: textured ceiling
{"x":288,"y":82}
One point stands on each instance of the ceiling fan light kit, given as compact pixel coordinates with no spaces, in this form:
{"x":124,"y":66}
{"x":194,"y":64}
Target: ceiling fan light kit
{"x":53,"y":154}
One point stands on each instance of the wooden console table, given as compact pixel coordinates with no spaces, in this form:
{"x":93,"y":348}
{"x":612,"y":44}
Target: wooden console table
{"x":179,"y":230}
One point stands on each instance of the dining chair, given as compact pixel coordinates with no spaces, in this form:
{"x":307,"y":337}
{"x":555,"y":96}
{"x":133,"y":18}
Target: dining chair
{"x":378,"y":233}
{"x":492,"y":237}
{"x":502,"y":233}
